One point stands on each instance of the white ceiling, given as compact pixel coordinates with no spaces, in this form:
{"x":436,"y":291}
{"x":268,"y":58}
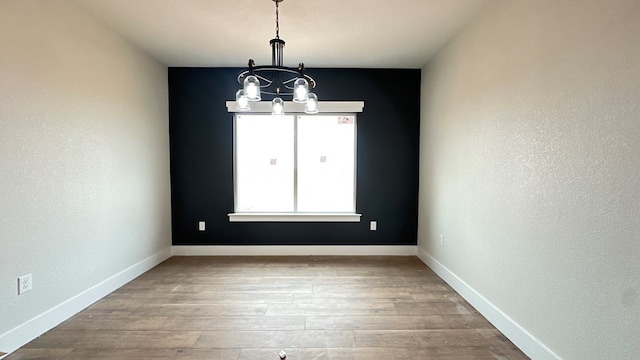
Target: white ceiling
{"x":320,"y":33}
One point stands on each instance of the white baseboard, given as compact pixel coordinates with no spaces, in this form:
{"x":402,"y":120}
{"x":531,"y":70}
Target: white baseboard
{"x":526,"y":342}
{"x":22,"y":334}
{"x":295,"y":250}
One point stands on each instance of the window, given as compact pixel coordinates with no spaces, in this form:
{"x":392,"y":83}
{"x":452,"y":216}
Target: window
{"x":295,"y":166}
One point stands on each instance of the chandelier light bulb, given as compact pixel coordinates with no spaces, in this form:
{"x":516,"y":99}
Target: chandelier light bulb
{"x":301,"y":90}
{"x":311,"y":106}
{"x":242,"y":103}
{"x":277,"y":106}
{"x":252,"y":88}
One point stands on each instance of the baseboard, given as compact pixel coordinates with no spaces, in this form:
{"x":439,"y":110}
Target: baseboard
{"x":526,"y":342}
{"x":181,"y":250}
{"x":21,"y":335}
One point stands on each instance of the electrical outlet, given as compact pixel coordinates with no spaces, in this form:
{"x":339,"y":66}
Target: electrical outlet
{"x":373,"y":226}
{"x":25,"y":284}
{"x":201,"y":225}
{"x":441,"y":240}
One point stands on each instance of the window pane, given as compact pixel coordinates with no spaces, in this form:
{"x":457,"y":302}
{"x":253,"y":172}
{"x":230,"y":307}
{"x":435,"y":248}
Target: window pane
{"x":326,"y":163}
{"x":264,"y":163}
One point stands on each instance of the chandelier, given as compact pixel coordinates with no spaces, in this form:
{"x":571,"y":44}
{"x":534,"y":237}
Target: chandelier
{"x":276,"y":80}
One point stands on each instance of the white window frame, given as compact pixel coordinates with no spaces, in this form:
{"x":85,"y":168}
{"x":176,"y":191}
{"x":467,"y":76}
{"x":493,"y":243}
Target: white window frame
{"x":326,"y":108}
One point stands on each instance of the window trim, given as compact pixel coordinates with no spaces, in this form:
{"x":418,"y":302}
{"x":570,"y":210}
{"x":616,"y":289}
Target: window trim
{"x":325,"y":107}
{"x":264,"y":107}
{"x":294,"y":217}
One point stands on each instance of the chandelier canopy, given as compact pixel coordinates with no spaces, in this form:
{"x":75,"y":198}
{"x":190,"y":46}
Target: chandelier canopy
{"x":276,"y":80}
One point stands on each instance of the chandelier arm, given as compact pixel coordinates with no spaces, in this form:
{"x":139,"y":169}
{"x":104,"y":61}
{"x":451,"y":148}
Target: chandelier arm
{"x":289,"y":82}
{"x":310,"y":80}
{"x":245,"y":73}
{"x":266,"y":80}
{"x":279,"y":94}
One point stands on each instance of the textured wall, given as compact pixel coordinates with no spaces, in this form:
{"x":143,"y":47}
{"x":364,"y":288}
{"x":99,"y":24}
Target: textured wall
{"x":530,"y":167}
{"x":84,"y":155}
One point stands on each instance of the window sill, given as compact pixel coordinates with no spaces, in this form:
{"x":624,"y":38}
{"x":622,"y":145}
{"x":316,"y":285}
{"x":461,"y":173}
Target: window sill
{"x":294,"y":217}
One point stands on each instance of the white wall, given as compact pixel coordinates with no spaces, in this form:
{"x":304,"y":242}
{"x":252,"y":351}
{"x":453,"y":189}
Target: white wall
{"x":84,"y":157}
{"x":530,"y":167}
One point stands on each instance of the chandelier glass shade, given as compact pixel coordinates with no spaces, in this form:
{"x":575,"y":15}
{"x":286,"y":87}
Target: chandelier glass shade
{"x":276,"y":81}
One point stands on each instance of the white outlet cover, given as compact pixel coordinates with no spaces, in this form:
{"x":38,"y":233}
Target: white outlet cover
{"x":25,"y":284}
{"x":373,"y":226}
{"x":201,"y":225}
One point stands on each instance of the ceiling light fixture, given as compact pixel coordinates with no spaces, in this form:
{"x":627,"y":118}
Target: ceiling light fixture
{"x":276,"y":80}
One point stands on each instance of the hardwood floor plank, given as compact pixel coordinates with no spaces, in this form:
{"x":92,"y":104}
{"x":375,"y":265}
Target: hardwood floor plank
{"x":276,"y":339}
{"x":284,"y":271}
{"x":203,"y":279}
{"x":156,"y":354}
{"x":297,"y":354}
{"x":205,"y":297}
{"x":38,"y":354}
{"x":352,"y":297}
{"x":431,"y":308}
{"x":234,"y":288}
{"x":419,"y":338}
{"x":362,"y":288}
{"x":201,"y":310}
{"x":395,"y":281}
{"x":115,"y":339}
{"x":185,"y":323}
{"x":430,"y":353}
{"x":467,"y":321}
{"x":432,"y":296}
{"x":377,"y":271}
{"x":397,"y":322}
{"x":110,"y":305}
{"x":434,"y":287}
{"x":363,"y":308}
{"x":209,"y":354}
{"x":106,"y":312}
{"x":391,"y":322}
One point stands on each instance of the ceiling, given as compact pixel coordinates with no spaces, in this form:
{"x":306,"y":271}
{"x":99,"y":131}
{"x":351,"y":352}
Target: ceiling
{"x":320,"y":33}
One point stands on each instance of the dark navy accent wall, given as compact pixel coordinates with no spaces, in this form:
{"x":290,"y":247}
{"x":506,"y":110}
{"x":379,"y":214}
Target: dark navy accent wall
{"x":201,"y":137}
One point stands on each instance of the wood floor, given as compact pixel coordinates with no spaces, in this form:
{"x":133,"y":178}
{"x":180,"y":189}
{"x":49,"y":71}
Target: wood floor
{"x":251,"y":308}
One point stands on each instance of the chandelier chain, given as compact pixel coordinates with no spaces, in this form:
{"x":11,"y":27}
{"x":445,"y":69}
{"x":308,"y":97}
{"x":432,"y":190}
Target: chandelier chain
{"x":277,"y":21}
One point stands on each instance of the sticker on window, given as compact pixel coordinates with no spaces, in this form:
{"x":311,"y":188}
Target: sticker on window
{"x":345,"y":120}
